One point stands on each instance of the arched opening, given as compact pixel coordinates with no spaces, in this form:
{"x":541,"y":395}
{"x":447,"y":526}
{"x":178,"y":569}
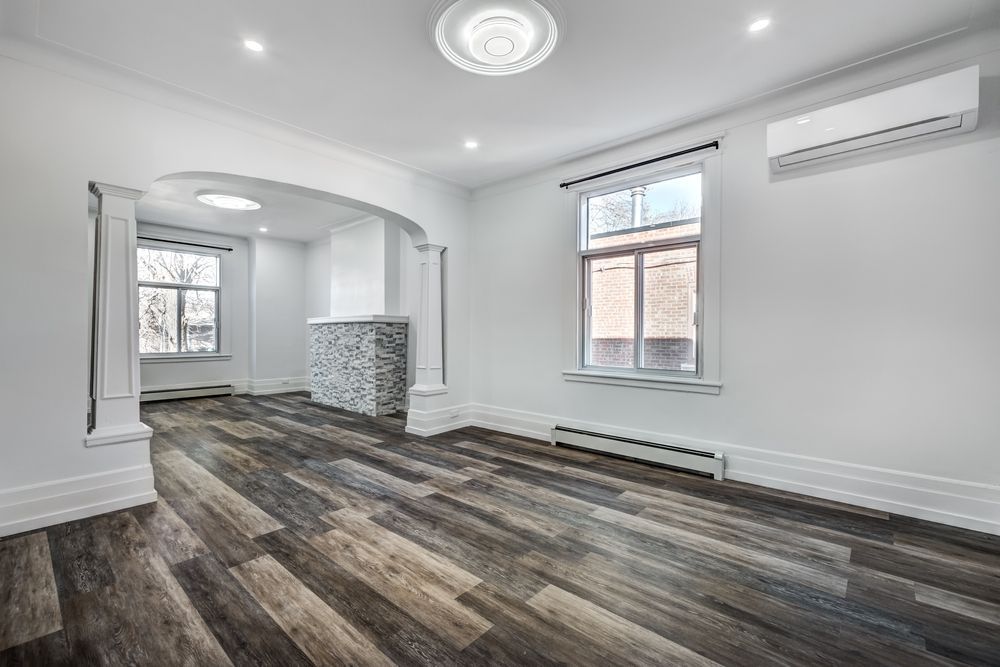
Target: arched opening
{"x":224,"y":296}
{"x":249,"y":184}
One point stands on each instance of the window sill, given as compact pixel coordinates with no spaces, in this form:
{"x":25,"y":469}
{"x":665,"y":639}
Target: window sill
{"x":662,"y":382}
{"x":181,"y":358}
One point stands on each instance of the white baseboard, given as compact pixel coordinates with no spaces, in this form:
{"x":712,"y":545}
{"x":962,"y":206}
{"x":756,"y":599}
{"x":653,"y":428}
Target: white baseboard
{"x":39,"y":505}
{"x":950,"y":501}
{"x":426,"y":423}
{"x":244,"y":386}
{"x":239,"y":386}
{"x":276,"y":386}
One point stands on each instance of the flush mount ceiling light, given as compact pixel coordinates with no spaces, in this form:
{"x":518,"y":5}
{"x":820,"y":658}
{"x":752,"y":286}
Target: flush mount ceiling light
{"x":496,"y":38}
{"x":229,"y":202}
{"x":253,"y":45}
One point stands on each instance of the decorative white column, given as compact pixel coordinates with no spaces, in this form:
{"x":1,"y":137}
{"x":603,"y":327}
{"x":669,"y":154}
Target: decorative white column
{"x":429,"y":330}
{"x":115,"y":355}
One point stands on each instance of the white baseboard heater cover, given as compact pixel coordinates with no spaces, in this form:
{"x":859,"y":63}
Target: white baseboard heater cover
{"x":713,"y":463}
{"x":190,"y":392}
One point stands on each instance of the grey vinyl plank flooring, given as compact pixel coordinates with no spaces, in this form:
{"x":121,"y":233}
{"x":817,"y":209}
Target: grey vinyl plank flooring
{"x":290,"y":533}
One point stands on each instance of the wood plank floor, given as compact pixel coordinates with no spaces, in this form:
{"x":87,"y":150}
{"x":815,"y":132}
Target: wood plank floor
{"x":290,"y":533}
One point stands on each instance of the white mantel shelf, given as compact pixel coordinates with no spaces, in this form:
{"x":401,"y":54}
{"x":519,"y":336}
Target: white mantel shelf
{"x":389,"y":319}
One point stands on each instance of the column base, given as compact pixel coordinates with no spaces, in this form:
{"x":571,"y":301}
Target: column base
{"x":118,"y":435}
{"x":428,"y":389}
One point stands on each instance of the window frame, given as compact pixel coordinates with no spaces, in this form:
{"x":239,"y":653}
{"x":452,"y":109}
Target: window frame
{"x":181,"y":288}
{"x":706,"y":378}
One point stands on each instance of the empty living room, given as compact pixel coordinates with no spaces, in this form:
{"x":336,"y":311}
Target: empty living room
{"x":500,"y":332}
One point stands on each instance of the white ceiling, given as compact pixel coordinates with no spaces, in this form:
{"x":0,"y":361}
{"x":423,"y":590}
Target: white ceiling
{"x":286,"y":215}
{"x":365,"y":72}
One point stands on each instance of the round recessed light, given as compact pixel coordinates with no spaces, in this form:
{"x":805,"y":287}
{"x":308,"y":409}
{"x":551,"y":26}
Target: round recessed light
{"x":263,"y":229}
{"x":803,"y":120}
{"x":472,"y":144}
{"x":759,"y":25}
{"x":496,"y":38}
{"x":229,"y":202}
{"x":253,"y":46}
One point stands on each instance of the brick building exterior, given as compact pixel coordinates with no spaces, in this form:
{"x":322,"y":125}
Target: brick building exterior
{"x":670,"y":287}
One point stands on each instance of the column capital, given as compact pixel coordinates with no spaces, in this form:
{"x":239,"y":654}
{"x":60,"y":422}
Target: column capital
{"x":430,"y":247}
{"x":101,"y":189}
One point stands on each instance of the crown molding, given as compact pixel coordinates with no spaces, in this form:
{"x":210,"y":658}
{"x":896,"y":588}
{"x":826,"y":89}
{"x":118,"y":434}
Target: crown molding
{"x":87,"y":69}
{"x":903,"y":65}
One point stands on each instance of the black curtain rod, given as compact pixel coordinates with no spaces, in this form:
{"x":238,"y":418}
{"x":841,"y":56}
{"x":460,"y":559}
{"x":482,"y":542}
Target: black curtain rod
{"x":187,"y":243}
{"x":695,"y":149}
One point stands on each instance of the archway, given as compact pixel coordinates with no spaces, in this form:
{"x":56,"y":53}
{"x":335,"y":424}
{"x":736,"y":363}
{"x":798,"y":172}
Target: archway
{"x":116,"y":294}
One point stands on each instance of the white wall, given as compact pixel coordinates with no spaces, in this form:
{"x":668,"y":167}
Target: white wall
{"x":234,"y":279}
{"x":278,"y":315}
{"x":318,"y":278}
{"x":859,"y":316}
{"x":65,"y":131}
{"x":357,"y":269}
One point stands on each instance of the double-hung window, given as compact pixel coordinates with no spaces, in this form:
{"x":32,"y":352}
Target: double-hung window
{"x":178,"y":302}
{"x":646,"y":280}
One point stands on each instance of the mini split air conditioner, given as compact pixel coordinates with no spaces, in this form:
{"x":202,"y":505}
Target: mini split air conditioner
{"x":936,"y":107}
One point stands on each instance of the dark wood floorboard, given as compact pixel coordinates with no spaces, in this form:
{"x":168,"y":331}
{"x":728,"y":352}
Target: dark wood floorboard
{"x":291,"y":533}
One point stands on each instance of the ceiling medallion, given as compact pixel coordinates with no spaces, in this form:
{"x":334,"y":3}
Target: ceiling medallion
{"x":496,"y":38}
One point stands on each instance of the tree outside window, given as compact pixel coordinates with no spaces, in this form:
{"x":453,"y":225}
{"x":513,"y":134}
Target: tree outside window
{"x":178,"y":302}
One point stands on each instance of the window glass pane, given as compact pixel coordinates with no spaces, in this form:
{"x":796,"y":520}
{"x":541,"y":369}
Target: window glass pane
{"x":186,"y":268}
{"x":612,"y":312}
{"x":662,"y":210}
{"x":669,"y":288}
{"x":198,"y":332}
{"x":157,"y":320}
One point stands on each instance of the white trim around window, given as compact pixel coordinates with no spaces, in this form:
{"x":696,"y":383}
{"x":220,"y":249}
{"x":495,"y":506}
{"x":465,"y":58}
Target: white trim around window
{"x":190,"y":356}
{"x":707,"y":378}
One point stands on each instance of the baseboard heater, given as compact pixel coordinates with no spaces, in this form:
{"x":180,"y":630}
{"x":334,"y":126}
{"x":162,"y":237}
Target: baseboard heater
{"x":190,"y":392}
{"x":671,"y":456}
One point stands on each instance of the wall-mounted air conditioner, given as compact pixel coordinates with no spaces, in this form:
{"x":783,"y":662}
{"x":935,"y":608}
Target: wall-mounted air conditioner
{"x":936,"y":107}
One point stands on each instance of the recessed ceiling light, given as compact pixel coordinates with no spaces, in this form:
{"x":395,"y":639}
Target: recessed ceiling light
{"x":472,"y":144}
{"x":804,"y":120}
{"x":263,"y":229}
{"x":230,"y":202}
{"x":487,"y":37}
{"x":830,"y":129}
{"x":253,"y":46}
{"x":759,"y":25}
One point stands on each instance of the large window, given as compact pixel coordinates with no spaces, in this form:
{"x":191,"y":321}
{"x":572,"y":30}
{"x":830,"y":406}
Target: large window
{"x":178,"y":302}
{"x":640,"y":262}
